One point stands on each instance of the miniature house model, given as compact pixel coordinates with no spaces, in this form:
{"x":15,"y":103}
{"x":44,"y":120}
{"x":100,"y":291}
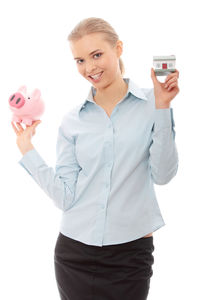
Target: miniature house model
{"x":164,"y":65}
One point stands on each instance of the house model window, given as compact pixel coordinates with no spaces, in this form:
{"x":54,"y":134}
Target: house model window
{"x":163,"y":65}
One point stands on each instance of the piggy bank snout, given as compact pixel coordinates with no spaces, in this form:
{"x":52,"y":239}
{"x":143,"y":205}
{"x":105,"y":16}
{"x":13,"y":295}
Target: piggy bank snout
{"x":16,"y":100}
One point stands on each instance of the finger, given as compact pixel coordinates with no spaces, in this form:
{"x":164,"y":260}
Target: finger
{"x":169,"y":76}
{"x":174,"y":79}
{"x":13,"y":126}
{"x":177,"y":72}
{"x":20,"y":126}
{"x":171,"y":86}
{"x":36,"y":123}
{"x":153,"y":76}
{"x":15,"y":129}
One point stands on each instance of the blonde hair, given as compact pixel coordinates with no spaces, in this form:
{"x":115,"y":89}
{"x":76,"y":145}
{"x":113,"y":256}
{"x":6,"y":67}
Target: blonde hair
{"x":94,"y":25}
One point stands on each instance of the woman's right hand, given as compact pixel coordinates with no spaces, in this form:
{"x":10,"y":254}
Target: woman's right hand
{"x":24,"y":135}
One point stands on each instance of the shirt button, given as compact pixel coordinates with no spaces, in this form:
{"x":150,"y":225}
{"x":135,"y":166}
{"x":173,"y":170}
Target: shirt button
{"x":109,"y":125}
{"x":102,"y":206}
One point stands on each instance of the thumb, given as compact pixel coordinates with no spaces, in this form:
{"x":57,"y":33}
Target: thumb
{"x":153,"y":76}
{"x":36,"y":123}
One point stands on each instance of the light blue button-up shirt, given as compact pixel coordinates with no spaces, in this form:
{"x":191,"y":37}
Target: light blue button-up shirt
{"x":106,"y":168}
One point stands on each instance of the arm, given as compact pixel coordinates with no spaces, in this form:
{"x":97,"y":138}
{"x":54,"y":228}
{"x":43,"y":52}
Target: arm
{"x":58,"y":184}
{"x":163,"y":160}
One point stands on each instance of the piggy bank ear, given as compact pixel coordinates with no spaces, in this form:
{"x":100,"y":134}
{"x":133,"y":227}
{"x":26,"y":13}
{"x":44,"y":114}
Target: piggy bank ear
{"x":36,"y":93}
{"x":22,"y":89}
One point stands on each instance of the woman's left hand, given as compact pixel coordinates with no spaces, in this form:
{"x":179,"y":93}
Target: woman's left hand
{"x":165,"y":91}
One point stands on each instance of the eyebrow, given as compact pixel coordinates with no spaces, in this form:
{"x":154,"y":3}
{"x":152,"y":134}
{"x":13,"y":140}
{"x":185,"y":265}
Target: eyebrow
{"x":90,"y":53}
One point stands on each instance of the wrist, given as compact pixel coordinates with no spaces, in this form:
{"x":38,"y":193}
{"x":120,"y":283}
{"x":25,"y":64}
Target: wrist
{"x":162,"y":106}
{"x":160,"y":103}
{"x":24,"y":150}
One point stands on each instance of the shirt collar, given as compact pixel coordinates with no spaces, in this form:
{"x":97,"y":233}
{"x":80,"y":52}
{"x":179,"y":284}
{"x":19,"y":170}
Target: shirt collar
{"x":132,"y":88}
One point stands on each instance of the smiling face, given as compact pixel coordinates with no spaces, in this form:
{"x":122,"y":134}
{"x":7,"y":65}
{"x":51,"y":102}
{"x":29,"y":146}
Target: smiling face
{"x":90,"y":62}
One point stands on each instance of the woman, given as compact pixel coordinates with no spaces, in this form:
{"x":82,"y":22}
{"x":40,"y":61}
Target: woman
{"x":110,"y":151}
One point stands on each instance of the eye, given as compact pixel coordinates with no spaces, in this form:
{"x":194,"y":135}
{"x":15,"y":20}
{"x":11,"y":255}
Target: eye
{"x":97,"y":53}
{"x":93,"y":55}
{"x":78,"y":60}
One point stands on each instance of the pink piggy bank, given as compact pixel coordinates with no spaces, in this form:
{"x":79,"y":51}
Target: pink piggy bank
{"x":26,"y":107}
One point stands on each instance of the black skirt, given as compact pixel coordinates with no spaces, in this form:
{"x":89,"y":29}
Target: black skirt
{"x":111,"y":272}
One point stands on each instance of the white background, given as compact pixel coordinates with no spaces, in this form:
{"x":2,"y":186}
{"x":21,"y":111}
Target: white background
{"x":35,"y":52}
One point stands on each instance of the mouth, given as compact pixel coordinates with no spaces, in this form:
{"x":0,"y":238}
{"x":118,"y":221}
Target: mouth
{"x":96,"y":77}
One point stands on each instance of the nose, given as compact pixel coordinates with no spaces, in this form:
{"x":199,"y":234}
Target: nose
{"x":16,"y":100}
{"x":90,"y":68}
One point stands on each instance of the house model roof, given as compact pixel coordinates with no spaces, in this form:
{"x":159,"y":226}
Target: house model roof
{"x":167,"y":57}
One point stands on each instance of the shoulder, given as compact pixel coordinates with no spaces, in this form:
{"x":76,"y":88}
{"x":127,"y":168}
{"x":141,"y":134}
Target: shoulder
{"x":141,"y":92}
{"x":70,"y":121}
{"x":149,"y":93}
{"x":71,"y":114}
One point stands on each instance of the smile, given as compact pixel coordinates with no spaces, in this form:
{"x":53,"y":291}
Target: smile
{"x":96,"y":77}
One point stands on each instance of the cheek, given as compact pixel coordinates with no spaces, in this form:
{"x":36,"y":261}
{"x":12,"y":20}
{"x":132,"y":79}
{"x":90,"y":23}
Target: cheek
{"x":112,"y":64}
{"x":80,"y":69}
{"x":106,"y":65}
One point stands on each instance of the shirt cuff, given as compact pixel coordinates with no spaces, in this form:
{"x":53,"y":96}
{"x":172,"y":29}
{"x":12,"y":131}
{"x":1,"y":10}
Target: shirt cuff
{"x":164,"y":118}
{"x":31,"y":161}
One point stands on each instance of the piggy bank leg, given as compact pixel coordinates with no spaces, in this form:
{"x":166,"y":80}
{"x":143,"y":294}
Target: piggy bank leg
{"x":27,"y":121}
{"x":16,"y":119}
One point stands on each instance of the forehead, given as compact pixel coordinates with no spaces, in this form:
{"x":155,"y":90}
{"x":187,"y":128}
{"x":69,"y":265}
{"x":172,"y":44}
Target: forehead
{"x":88,"y":43}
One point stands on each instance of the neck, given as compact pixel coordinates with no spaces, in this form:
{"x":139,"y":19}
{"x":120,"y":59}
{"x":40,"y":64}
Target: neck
{"x":111,"y":93}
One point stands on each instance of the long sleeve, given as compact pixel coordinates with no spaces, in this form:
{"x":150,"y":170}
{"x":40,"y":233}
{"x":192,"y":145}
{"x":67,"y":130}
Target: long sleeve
{"x":163,"y":152}
{"x":58,"y":184}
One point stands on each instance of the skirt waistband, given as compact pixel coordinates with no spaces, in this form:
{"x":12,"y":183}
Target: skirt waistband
{"x":141,"y":241}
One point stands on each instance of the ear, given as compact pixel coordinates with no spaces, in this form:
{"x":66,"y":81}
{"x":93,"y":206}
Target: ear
{"x":119,"y":47}
{"x":23,"y":89}
{"x":36,"y":94}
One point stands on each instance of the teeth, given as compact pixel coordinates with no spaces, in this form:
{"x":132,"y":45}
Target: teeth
{"x":96,"y":76}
